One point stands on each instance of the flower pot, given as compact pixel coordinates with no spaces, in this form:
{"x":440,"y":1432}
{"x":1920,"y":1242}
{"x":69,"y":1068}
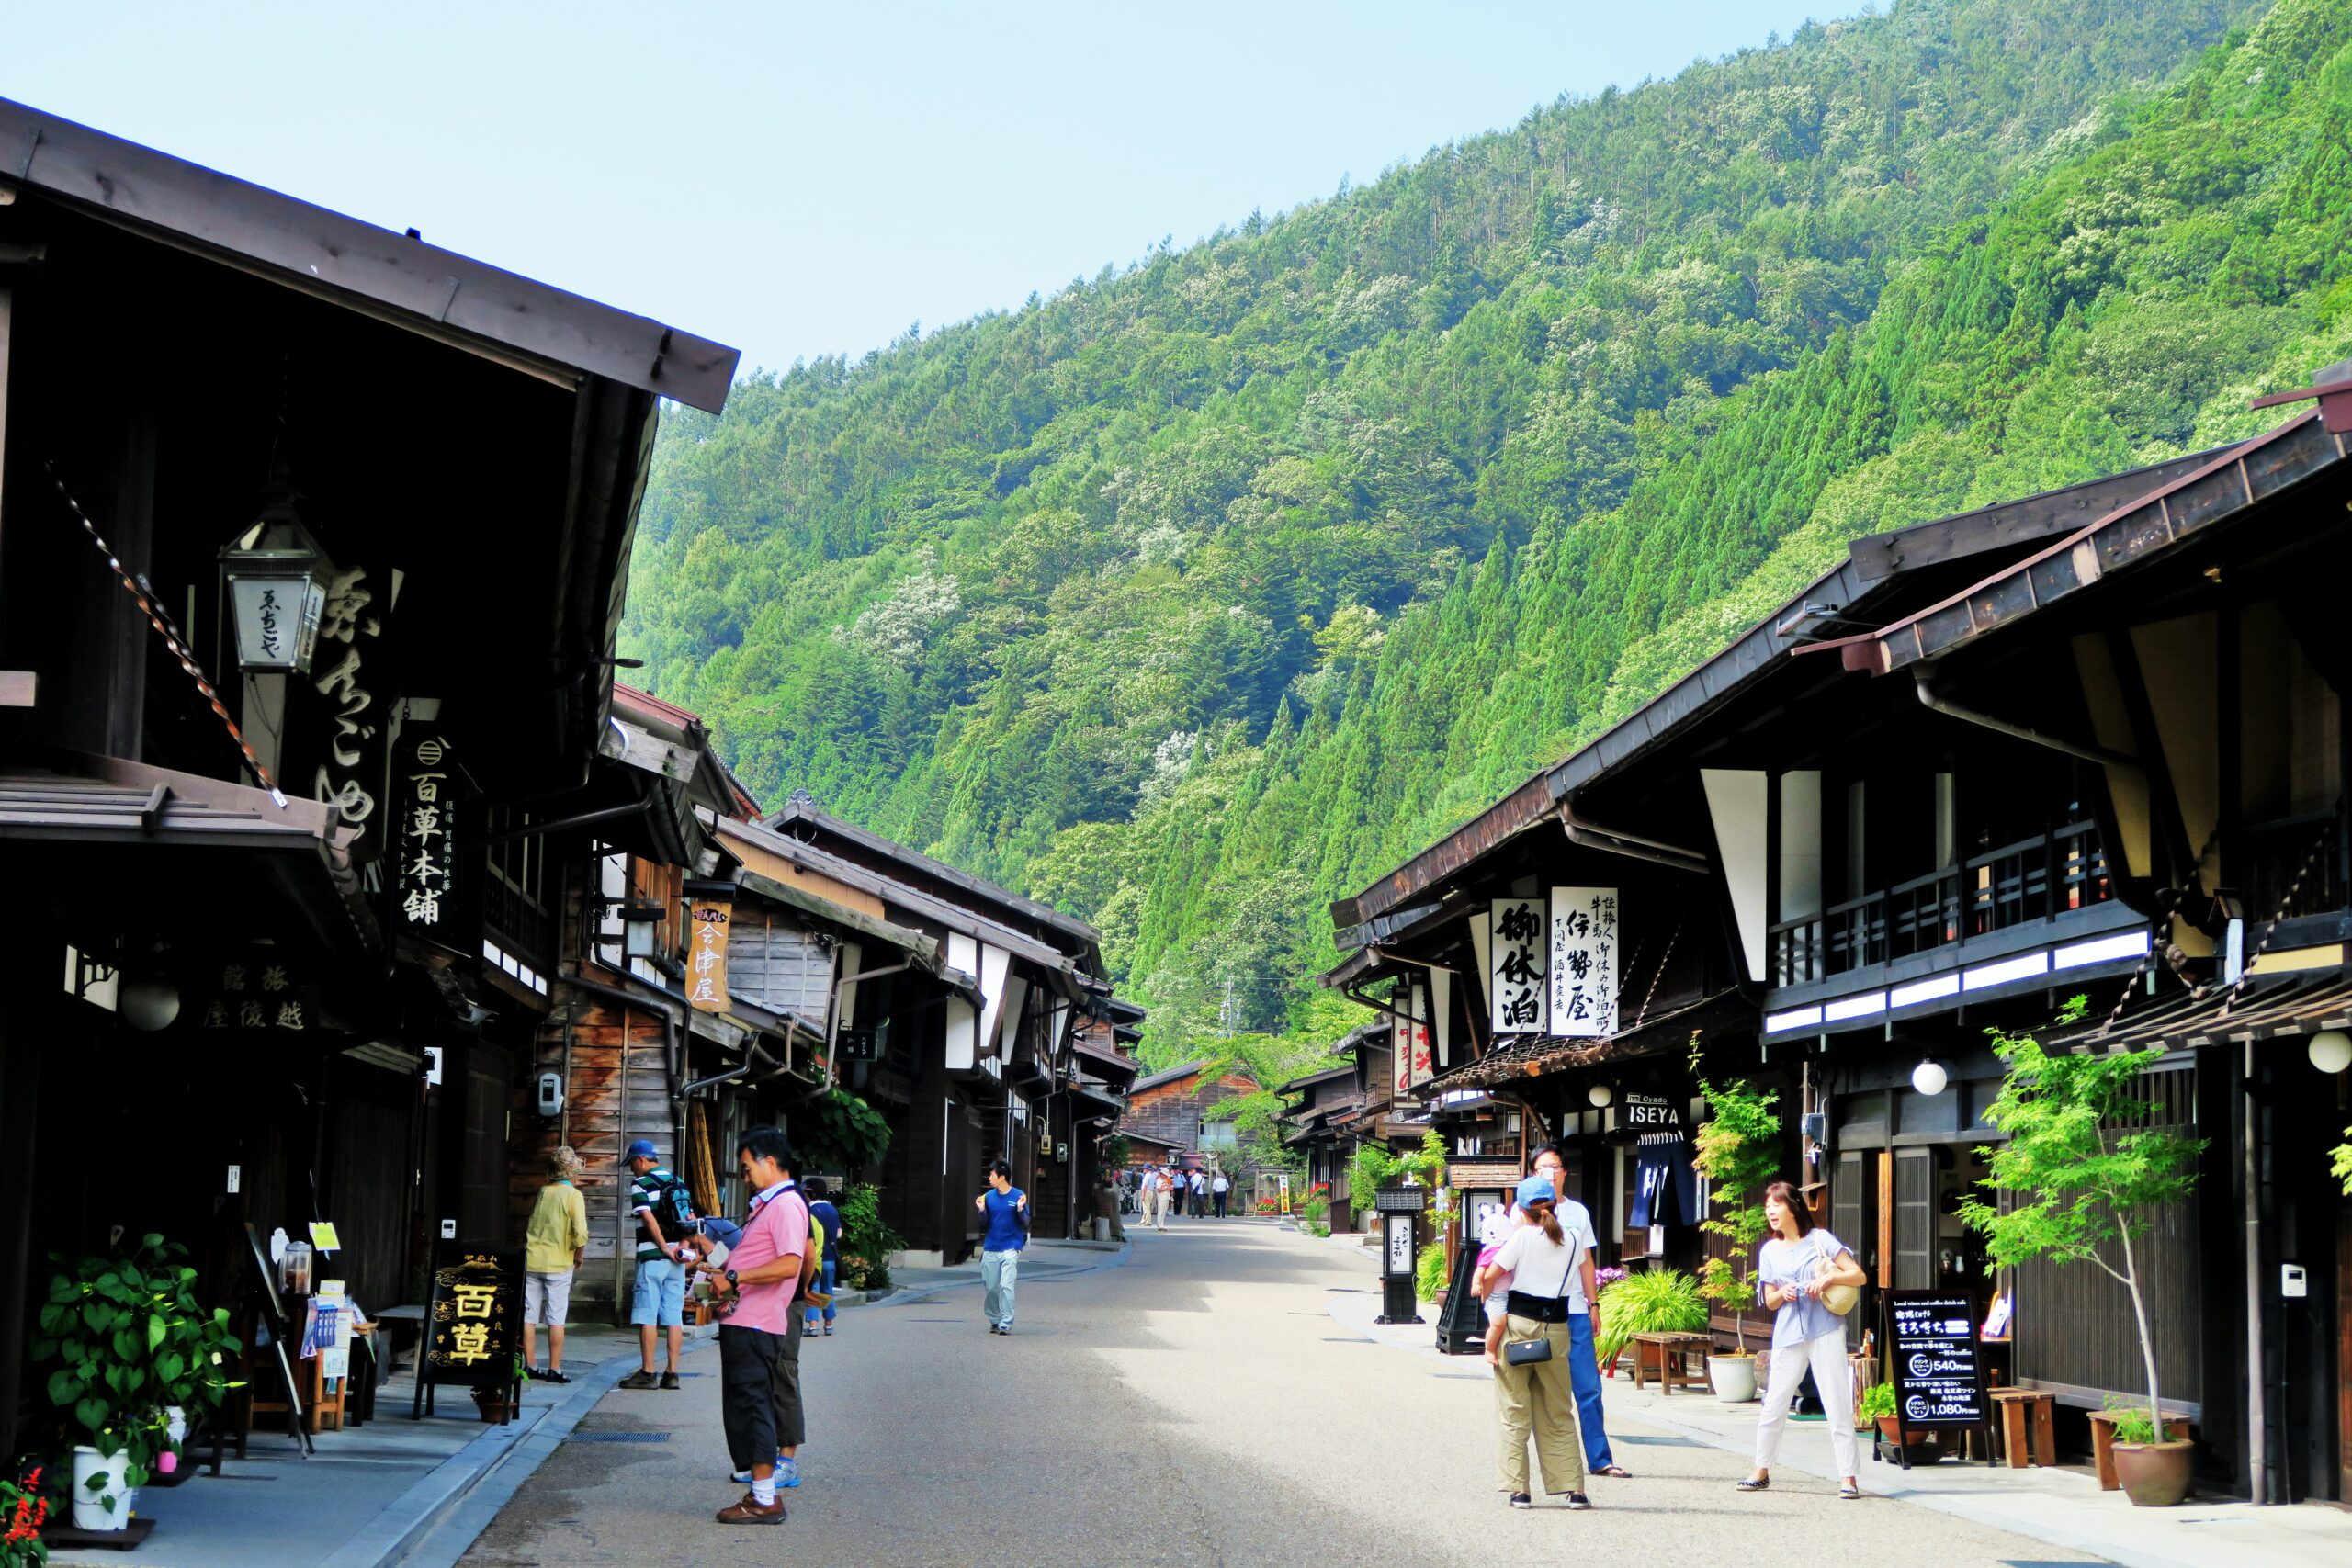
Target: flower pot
{"x":1916,"y":1441}
{"x":491,"y":1405}
{"x":2154,"y":1475}
{"x":1733,"y":1378}
{"x":107,"y":1506}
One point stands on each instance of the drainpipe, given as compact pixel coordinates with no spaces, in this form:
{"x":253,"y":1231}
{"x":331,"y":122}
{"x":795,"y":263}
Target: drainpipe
{"x":1609,"y":842}
{"x":1926,"y":674}
{"x":624,"y":1249}
{"x":2257,"y":1440}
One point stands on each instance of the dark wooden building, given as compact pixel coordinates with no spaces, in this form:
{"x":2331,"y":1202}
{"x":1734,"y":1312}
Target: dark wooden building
{"x":2092,"y":745}
{"x":234,"y":493}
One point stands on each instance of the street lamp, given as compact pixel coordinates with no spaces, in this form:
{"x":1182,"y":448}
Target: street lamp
{"x":2331,"y":1050}
{"x":278,"y":580}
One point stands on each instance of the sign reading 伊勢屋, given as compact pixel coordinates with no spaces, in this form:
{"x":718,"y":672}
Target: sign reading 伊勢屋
{"x":1515,"y":967}
{"x":1582,"y":962}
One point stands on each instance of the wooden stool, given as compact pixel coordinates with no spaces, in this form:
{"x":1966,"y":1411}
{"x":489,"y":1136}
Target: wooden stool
{"x":1673,"y":1353}
{"x":2014,"y":1404}
{"x":2103,"y":1442}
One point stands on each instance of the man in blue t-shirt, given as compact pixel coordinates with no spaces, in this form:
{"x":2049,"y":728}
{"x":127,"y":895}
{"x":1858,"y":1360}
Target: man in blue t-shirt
{"x":1007,"y":1208}
{"x":820,"y":1209}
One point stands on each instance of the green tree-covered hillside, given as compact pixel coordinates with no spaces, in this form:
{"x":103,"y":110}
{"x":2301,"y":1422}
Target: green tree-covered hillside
{"x":1202,"y":591}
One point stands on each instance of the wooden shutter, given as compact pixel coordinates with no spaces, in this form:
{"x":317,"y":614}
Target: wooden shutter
{"x":1849,"y":1196}
{"x":1915,"y":1219}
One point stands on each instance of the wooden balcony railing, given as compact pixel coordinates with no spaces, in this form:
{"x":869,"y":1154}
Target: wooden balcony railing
{"x":2036,"y":878}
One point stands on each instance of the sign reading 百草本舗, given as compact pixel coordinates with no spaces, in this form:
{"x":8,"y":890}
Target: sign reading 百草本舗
{"x":472,"y":1322}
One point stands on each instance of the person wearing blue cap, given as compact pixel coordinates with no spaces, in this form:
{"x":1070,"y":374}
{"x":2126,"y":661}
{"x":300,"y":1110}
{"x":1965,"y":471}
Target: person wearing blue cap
{"x":665,"y":1217}
{"x":1533,"y":1389}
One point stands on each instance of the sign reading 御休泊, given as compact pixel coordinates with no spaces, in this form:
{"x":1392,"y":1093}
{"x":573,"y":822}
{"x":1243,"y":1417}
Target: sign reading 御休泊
{"x":707,"y":964}
{"x":1515,"y":965}
{"x":1939,"y":1369}
{"x":471,"y":1324}
{"x":1582,"y":962}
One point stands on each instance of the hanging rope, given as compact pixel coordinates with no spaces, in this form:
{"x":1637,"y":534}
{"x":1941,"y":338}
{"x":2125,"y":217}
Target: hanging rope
{"x":2286,"y":902}
{"x":157,"y":618}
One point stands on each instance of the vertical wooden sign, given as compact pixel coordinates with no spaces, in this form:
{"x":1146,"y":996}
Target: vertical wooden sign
{"x":707,"y":923}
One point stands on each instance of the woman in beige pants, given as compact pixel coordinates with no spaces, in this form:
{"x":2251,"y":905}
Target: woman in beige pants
{"x":1539,"y":1396}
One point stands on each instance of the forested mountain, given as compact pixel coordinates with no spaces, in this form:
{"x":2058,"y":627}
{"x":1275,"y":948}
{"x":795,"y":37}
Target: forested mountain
{"x":1199,"y":592}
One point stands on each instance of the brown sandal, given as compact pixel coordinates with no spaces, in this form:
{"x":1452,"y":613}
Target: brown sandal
{"x":1619,"y":1471}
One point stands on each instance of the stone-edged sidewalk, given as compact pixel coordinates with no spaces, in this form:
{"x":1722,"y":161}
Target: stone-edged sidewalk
{"x":2062,"y":1507}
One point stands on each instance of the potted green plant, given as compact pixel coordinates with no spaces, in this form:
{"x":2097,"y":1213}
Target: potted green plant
{"x":1877,"y":1408}
{"x":1737,"y":1151}
{"x":118,"y":1336}
{"x":2083,"y":1174}
{"x":496,"y":1399}
{"x":1655,"y":1301}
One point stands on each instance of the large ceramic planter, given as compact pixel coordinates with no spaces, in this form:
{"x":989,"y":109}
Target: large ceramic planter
{"x":1733,"y":1378}
{"x":2154,"y":1475}
{"x":109,"y":1506}
{"x":1892,"y":1435}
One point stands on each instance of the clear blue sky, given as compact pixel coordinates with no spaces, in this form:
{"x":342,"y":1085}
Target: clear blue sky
{"x":799,"y":179}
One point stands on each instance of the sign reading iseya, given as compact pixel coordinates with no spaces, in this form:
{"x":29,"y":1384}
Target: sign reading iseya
{"x":1515,"y":960}
{"x":1583,"y":962}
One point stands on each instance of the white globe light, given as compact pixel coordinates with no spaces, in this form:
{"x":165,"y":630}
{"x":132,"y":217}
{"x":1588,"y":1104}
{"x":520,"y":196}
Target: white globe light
{"x":1601,"y":1094}
{"x":1930,"y":1077}
{"x":2331,"y":1050}
{"x":150,"y":1005}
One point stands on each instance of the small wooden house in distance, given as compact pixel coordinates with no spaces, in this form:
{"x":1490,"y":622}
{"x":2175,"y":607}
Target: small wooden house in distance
{"x":1171,"y":1110}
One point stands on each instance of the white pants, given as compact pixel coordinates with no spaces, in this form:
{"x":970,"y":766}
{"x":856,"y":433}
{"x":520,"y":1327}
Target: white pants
{"x":1833,"y":1375}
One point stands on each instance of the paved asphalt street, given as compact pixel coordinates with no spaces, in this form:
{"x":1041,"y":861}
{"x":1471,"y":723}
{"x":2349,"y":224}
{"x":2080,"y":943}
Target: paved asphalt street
{"x":1197,"y":1404}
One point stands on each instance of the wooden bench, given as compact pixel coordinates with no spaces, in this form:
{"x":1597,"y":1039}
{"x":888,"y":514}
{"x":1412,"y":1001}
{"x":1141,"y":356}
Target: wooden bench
{"x":2015,"y":1405}
{"x":1673,"y":1354}
{"x":2103,"y":1442}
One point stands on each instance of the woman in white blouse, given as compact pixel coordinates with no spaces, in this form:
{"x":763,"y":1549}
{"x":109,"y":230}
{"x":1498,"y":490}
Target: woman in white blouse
{"x":1800,"y":1261}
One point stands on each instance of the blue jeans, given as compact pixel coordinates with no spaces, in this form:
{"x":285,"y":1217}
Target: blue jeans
{"x":998,"y":1272}
{"x":824,"y":1283}
{"x":1584,"y":1376}
{"x":660,"y":1297}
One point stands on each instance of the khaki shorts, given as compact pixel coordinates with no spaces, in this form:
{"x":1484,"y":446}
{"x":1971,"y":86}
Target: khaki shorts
{"x":547,"y":1297}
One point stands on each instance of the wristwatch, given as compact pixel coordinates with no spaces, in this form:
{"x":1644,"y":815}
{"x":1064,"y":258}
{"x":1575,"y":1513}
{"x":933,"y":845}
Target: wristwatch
{"x":731,"y":1280}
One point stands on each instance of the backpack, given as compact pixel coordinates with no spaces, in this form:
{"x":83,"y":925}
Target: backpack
{"x":674,"y":1208}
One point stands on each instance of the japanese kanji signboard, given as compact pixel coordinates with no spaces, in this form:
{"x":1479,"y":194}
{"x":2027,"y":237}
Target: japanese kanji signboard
{"x":425,"y":788}
{"x":1415,"y":1037}
{"x":707,"y":962}
{"x":1582,"y":962}
{"x":1515,"y":956}
{"x":475,"y":1316}
{"x":258,"y":991}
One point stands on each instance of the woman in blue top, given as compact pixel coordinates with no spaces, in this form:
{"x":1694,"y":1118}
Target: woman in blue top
{"x":1007,"y":1208}
{"x":1793,"y":1268}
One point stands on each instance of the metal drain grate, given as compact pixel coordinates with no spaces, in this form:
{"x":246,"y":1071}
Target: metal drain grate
{"x":579,"y":1437}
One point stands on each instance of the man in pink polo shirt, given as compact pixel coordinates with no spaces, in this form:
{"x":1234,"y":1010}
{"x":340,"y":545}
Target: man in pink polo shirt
{"x":761,"y":1277}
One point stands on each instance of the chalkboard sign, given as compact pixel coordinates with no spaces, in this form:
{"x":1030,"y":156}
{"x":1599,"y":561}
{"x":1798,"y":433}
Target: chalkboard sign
{"x":1937,"y":1363}
{"x":474,"y":1322}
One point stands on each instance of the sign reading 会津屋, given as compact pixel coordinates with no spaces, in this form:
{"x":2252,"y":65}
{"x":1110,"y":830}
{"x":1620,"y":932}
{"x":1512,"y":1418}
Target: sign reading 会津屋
{"x":707,"y":964}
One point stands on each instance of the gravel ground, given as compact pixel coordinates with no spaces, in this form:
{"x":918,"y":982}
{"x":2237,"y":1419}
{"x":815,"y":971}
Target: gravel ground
{"x":1196,"y":1405}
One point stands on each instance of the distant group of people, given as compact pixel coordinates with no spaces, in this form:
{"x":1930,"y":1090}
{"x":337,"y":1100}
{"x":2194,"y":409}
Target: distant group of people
{"x":770,"y":1277}
{"x":1536,"y":1274}
{"x":1164,"y":1190}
